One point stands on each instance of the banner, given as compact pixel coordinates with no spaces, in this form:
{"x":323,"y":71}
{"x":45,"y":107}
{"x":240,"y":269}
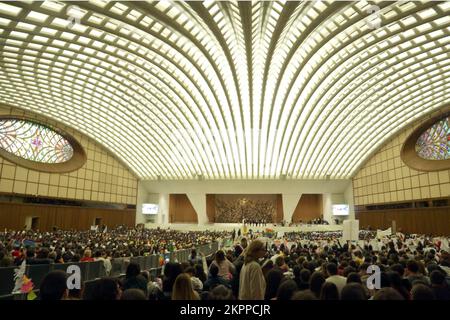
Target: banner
{"x":350,"y":230}
{"x":445,"y":244}
{"x":385,"y":233}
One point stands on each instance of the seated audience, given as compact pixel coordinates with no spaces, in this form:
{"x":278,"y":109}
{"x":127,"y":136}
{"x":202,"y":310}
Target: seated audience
{"x":273,"y":281}
{"x":387,"y":294}
{"x":316,"y":282}
{"x":133,"y":294}
{"x":286,"y":290}
{"x":183,"y":290}
{"x":329,"y":291}
{"x":54,"y":286}
{"x":134,"y":279}
{"x":421,"y":291}
{"x":353,"y":291}
{"x":298,"y":265}
{"x":106,"y":289}
{"x":220,"y":292}
{"x":439,"y":286}
{"x":304,"y":295}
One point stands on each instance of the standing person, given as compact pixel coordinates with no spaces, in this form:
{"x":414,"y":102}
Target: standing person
{"x":333,"y":277}
{"x":252,"y":285}
{"x":226,"y":268}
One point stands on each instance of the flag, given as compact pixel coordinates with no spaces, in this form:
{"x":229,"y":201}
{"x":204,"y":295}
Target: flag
{"x":18,"y":277}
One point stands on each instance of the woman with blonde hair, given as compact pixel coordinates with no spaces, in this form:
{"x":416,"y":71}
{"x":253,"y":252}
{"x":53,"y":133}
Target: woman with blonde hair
{"x":252,"y":285}
{"x":183,"y":290}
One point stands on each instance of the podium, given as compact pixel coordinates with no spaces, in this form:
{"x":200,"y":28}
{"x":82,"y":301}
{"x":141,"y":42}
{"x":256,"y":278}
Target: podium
{"x":351,"y":230}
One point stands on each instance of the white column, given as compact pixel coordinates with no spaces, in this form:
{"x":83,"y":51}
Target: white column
{"x":141,"y":198}
{"x":198,"y":201}
{"x":327,"y":208}
{"x":290,"y":202}
{"x":163,"y":215}
{"x":348,"y":195}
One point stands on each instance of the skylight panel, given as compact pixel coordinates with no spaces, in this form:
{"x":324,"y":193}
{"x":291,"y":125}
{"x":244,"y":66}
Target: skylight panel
{"x":80,"y":28}
{"x":84,"y":40}
{"x":442,"y":21}
{"x":4,"y":22}
{"x":96,"y":19}
{"x":408,"y":21}
{"x":68,"y":36}
{"x":406,"y":6}
{"x":134,"y":15}
{"x":17,"y":34}
{"x":99,"y":3}
{"x":163,"y":5}
{"x":40,"y":39}
{"x":37,"y":16}
{"x":52,"y":6}
{"x":62,"y":23}
{"x":119,"y":8}
{"x":9,"y":9}
{"x":75,"y":12}
{"x":49,"y":31}
{"x":25,"y":26}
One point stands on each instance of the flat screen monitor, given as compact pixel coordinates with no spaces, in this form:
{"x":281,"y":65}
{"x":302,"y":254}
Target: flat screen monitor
{"x":340,"y":209}
{"x":150,"y":208}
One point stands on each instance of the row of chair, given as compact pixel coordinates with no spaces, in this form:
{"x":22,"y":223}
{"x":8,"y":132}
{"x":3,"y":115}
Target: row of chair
{"x":94,"y":270}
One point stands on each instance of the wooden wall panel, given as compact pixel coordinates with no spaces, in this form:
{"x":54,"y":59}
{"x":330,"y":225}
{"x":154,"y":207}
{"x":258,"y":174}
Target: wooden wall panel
{"x":13,"y":215}
{"x":211,"y":207}
{"x":280,"y":214}
{"x":181,"y":210}
{"x":309,"y":207}
{"x":433,"y":221}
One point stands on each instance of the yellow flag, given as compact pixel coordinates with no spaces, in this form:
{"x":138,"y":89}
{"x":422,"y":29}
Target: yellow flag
{"x":31,"y":295}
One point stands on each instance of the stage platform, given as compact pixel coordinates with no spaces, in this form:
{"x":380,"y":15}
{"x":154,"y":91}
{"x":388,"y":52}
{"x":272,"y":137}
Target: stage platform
{"x":235,"y":226}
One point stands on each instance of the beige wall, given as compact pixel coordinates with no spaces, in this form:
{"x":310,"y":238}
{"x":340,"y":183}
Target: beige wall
{"x":385,"y":178}
{"x":102,"y":178}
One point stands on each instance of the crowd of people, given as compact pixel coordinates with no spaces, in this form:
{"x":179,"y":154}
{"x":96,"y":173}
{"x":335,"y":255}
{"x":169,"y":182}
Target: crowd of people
{"x":300,"y":266}
{"x":73,"y":246}
{"x":325,"y":235}
{"x":319,"y":220}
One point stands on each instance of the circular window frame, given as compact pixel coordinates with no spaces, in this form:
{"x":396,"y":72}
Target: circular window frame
{"x":78,"y":159}
{"x":408,"y":152}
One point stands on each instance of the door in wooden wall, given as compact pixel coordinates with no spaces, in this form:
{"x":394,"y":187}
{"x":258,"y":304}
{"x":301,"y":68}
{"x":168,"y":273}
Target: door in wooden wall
{"x":98,"y":222}
{"x":34,"y":223}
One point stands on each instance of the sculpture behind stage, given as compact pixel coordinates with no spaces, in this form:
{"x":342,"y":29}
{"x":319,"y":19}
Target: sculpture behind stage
{"x":253,"y":211}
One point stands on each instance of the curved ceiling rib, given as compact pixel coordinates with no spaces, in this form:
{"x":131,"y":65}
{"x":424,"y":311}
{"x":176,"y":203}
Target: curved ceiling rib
{"x":229,"y":90}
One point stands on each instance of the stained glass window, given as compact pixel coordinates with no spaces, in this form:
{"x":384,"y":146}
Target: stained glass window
{"x":33,"y":141}
{"x":434,"y":144}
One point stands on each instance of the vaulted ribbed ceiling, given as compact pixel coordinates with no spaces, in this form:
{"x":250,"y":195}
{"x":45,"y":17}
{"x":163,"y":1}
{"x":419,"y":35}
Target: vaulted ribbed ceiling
{"x":229,"y":90}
